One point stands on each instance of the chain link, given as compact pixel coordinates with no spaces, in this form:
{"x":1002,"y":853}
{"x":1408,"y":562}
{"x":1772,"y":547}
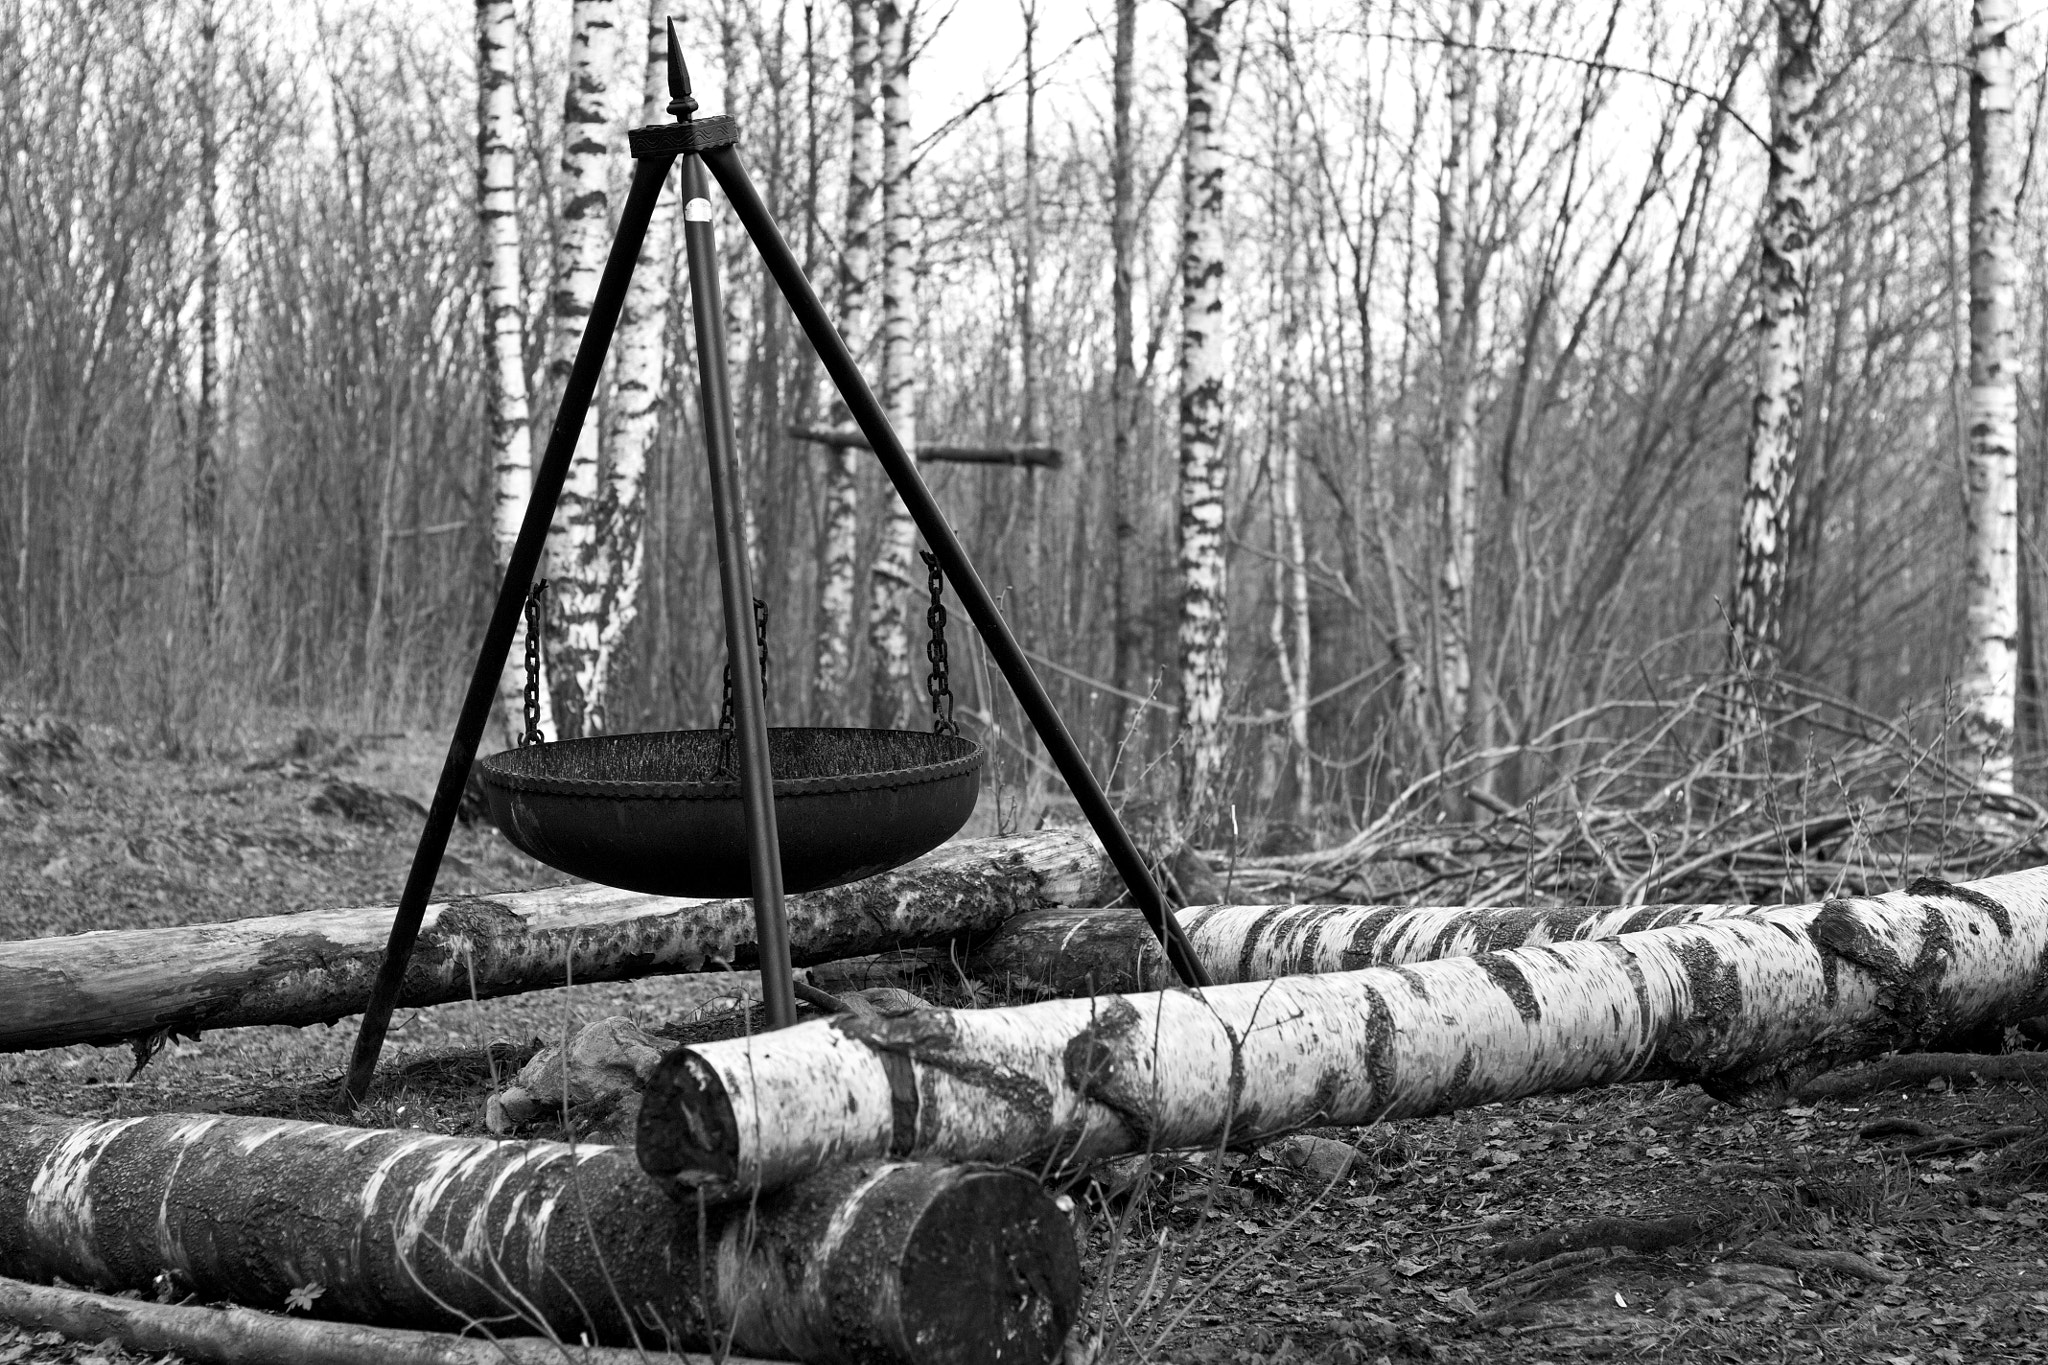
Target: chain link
{"x":938,"y":685}
{"x":533,"y":734}
{"x":760,"y":643}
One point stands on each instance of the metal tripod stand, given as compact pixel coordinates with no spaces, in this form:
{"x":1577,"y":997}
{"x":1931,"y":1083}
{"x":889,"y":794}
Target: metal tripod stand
{"x":711,"y":144}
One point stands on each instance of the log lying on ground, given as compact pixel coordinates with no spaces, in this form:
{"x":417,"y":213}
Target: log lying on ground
{"x":1071,"y":952}
{"x":1736,"y":1004}
{"x":227,"y":1335}
{"x":316,"y":967}
{"x":883,"y":1261}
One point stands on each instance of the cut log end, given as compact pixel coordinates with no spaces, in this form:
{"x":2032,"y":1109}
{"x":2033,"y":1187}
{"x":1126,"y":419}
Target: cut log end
{"x":970,"y":1296}
{"x":686,"y":1132}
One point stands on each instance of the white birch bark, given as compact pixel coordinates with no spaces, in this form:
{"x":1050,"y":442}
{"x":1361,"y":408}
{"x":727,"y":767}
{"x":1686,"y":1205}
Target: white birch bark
{"x":316,"y":966}
{"x":890,"y":700}
{"x":1457,"y":327}
{"x":639,"y":360}
{"x":1292,"y":643}
{"x":1990,"y":680}
{"x":1204,"y":356}
{"x":836,"y":579}
{"x":498,"y":138}
{"x":1738,"y":1005}
{"x":576,"y":586}
{"x":1784,"y":267}
{"x":423,"y":1230}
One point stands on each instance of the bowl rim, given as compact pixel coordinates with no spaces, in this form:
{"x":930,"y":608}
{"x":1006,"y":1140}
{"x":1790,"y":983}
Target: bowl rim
{"x":500,"y":771}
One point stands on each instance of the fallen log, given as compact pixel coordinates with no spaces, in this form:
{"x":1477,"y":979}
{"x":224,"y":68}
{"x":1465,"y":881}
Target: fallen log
{"x":1736,"y":1004}
{"x":227,"y":1335}
{"x":1048,"y":457}
{"x":881,"y":1261}
{"x":316,"y":967}
{"x":1072,"y":952}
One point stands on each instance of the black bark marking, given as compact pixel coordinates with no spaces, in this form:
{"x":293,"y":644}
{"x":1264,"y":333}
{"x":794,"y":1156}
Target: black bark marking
{"x":1453,"y":1096}
{"x":1693,"y":1046}
{"x":1248,"y":951}
{"x":1090,"y":1065}
{"x":1378,"y":1055}
{"x":1513,"y":983}
{"x":1365,"y":941}
{"x":1936,"y":887}
{"x":1417,"y":982}
{"x":1910,"y":994}
{"x":1307,"y":958}
{"x":927,"y":1039}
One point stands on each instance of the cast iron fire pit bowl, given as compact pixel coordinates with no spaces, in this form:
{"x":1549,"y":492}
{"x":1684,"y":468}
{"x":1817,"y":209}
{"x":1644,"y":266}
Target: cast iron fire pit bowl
{"x":661,"y":812}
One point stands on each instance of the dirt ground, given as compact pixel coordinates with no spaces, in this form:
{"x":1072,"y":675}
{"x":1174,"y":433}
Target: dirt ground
{"x":1835,"y":1230}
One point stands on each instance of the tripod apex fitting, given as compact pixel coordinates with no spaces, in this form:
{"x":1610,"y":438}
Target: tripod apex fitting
{"x":680,"y":102}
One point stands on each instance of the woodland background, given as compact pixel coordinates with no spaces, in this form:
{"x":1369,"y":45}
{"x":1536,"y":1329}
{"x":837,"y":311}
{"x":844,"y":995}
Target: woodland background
{"x":274,"y":490}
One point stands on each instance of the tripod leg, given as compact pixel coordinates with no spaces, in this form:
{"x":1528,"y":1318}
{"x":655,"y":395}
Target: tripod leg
{"x":974,"y":595}
{"x":757,"y":781}
{"x":648,"y":176}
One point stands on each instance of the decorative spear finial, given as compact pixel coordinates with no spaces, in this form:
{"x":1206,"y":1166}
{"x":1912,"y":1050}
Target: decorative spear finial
{"x":680,"y":103}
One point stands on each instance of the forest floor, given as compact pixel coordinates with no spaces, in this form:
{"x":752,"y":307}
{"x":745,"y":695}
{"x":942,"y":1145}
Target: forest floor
{"x":1785,"y":1232}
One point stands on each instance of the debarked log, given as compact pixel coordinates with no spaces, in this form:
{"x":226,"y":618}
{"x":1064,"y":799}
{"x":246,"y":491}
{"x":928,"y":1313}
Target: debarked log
{"x":1737,"y":1004}
{"x":316,"y":967}
{"x":224,"y":1334}
{"x":880,"y":1261}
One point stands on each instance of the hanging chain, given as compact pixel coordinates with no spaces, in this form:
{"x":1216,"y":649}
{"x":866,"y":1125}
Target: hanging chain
{"x":533,"y":734}
{"x":938,"y":685}
{"x":760,"y":643}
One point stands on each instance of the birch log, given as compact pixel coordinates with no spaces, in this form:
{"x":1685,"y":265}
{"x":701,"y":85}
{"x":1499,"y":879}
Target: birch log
{"x":1990,"y":682}
{"x":1068,"y":952}
{"x":1204,"y":361}
{"x":497,"y":108}
{"x":227,"y":1335}
{"x":316,"y":967}
{"x":1735,"y":1004}
{"x":1784,"y":265}
{"x":580,"y":250}
{"x":877,"y":1262}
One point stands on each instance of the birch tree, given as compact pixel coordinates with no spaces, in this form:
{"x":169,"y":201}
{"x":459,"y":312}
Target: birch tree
{"x":497,"y":140}
{"x":856,"y":264}
{"x":1128,"y":637}
{"x":1457,"y":305}
{"x":1784,"y":264}
{"x":1990,"y":679}
{"x":205,"y":504}
{"x":640,"y":359}
{"x":1204,"y":352}
{"x":577,"y":579}
{"x":889,"y":580}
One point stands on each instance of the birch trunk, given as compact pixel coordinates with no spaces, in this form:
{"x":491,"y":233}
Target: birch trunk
{"x":217,"y":1334}
{"x":842,"y":491}
{"x":640,"y":359}
{"x":205,"y":513}
{"x":1128,"y":588}
{"x":890,"y":700}
{"x":1737,"y":1005}
{"x":1990,"y":679}
{"x":576,"y":587}
{"x":1784,"y":265}
{"x":1292,"y":644}
{"x":498,"y":137}
{"x":316,"y":966}
{"x":884,"y":1262}
{"x":1204,"y":355}
{"x":1457,"y":305}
